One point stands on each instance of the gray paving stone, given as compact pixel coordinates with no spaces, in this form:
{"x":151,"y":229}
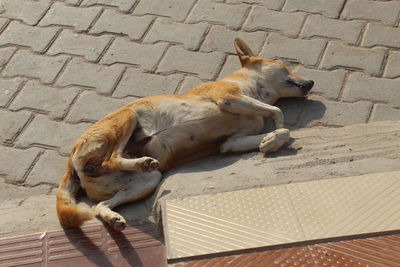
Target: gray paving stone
{"x":317,"y":25}
{"x":14,"y":163}
{"x":270,"y":4}
{"x":54,"y":101}
{"x":382,"y":112}
{"x":327,"y":83}
{"x":190,"y":35}
{"x":71,"y":2}
{"x":188,"y":83}
{"x":26,"y":10}
{"x":205,"y":65}
{"x":232,"y":16}
{"x":114,"y":22}
{"x":46,"y":132}
{"x":8,"y":88}
{"x":139,"y":84}
{"x":88,"y":46}
{"x":11,"y":124}
{"x":362,"y":87}
{"x":385,"y":11}
{"x":49,"y":169}
{"x":232,"y":64}
{"x":18,"y":33}
{"x":306,"y":52}
{"x":328,"y":8}
{"x":261,"y":18}
{"x":5,"y":54}
{"x":124,"y":5}
{"x":378,"y":34}
{"x":77,"y":17}
{"x":318,"y":111}
{"x":176,"y":9}
{"x":220,"y":38}
{"x":392,"y":69}
{"x":341,"y":55}
{"x":91,"y":107}
{"x":125,"y":51}
{"x":101,"y":77}
{"x":28,"y":64}
{"x":3,"y":21}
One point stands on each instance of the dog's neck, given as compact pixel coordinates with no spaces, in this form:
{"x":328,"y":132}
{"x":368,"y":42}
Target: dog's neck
{"x":253,"y":84}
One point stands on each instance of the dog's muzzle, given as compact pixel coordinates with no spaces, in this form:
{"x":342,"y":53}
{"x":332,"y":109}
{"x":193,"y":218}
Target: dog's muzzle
{"x":306,"y":86}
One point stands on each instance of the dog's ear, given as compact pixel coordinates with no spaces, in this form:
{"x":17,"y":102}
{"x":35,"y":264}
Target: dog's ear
{"x":243,"y":50}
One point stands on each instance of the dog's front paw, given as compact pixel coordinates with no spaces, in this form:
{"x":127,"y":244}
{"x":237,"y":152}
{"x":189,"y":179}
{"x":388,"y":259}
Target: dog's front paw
{"x":274,"y":140}
{"x":149,"y":164}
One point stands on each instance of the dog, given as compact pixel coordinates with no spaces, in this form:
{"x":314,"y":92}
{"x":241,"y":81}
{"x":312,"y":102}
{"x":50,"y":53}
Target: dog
{"x":120,"y":158}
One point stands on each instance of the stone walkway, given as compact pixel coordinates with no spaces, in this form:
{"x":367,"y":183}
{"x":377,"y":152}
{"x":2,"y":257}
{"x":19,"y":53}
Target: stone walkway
{"x":65,"y":64}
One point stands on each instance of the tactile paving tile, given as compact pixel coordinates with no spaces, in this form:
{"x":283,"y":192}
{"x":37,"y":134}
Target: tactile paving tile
{"x":92,"y":245}
{"x":382,"y":251}
{"x":230,"y":221}
{"x":281,"y":214}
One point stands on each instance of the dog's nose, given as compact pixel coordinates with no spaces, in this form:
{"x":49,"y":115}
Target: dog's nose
{"x":306,"y":87}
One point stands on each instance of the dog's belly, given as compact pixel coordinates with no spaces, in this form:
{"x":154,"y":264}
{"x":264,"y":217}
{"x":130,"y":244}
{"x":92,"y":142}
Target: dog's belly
{"x":186,"y":127}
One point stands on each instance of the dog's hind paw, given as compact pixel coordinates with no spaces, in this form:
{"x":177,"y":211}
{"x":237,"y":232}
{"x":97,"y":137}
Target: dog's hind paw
{"x":274,"y":140}
{"x":117,"y":222}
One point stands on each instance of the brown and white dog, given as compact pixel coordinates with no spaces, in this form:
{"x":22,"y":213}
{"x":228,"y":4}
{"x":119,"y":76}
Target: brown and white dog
{"x":153,"y":134}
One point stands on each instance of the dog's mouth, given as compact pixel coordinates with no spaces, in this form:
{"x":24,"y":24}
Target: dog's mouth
{"x":304,"y":86}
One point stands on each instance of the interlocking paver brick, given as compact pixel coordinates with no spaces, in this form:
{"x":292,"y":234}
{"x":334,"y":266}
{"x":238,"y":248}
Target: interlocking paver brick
{"x":5,"y":54}
{"x":317,"y":25}
{"x":22,"y":160}
{"x":21,"y":34}
{"x":190,"y":35}
{"x":176,"y":9}
{"x":8,"y":89}
{"x":362,"y":87}
{"x":71,"y":2}
{"x":270,"y":4}
{"x":114,"y":22}
{"x":306,"y":52}
{"x":28,"y":64}
{"x":319,"y":111}
{"x":139,"y":84}
{"x":69,"y":42}
{"x":101,"y":77}
{"x":188,"y":83}
{"x":92,"y":107}
{"x":206,"y":10}
{"x":378,"y":34}
{"x":11,"y":124}
{"x":338,"y":54}
{"x":261,"y":18}
{"x":26,"y":10}
{"x":125,"y":51}
{"x":385,"y":11}
{"x":124,"y":5}
{"x":382,"y":112}
{"x":221,"y":39}
{"x":392,"y":69}
{"x":326,"y":83}
{"x":46,"y":132}
{"x":328,"y":8}
{"x":77,"y":17}
{"x":54,"y":101}
{"x":43,"y":172}
{"x":232,"y":64}
{"x":3,"y":22}
{"x":205,"y":65}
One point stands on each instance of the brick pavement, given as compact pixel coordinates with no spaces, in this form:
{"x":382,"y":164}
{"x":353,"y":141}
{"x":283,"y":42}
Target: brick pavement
{"x":64,"y":64}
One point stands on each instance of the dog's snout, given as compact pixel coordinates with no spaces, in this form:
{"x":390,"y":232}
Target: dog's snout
{"x":307,"y":86}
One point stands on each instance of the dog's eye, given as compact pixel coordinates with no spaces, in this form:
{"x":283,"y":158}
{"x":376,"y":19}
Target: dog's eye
{"x":90,"y":168}
{"x":290,"y":81}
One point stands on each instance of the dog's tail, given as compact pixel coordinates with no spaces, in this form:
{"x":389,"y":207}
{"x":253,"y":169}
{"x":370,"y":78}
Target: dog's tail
{"x":69,"y":212}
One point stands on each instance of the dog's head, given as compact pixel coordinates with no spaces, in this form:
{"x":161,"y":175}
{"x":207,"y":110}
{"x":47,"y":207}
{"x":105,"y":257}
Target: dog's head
{"x":273,"y":77}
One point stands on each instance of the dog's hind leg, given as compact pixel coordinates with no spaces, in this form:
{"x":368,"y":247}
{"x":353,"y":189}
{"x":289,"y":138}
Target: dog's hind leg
{"x":249,"y":106}
{"x":142,"y":185}
{"x":266,"y":143}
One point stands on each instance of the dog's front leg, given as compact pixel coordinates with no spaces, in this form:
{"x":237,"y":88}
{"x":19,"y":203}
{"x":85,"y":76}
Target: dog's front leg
{"x":250,"y":106}
{"x":141,"y":186}
{"x":142,"y":164}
